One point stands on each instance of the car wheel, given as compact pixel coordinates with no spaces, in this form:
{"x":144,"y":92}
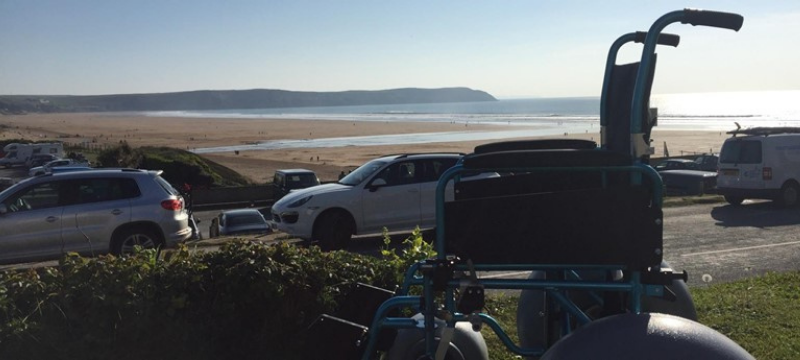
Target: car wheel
{"x":701,"y":189}
{"x":126,"y":240}
{"x":734,"y":200}
{"x":333,"y":231}
{"x":789,"y":195}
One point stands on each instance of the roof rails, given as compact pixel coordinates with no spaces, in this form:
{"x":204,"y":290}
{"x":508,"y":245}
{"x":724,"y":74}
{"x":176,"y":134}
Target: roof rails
{"x":405,"y":155}
{"x":70,"y":169}
{"x":765,"y":131}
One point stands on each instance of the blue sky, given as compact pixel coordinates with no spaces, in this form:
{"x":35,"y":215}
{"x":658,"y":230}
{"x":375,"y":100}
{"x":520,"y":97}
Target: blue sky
{"x":508,"y":48}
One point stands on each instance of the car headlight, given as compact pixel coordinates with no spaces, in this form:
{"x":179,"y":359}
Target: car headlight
{"x":300,"y":202}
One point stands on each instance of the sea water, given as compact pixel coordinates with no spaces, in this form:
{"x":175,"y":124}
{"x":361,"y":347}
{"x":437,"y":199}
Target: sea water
{"x":529,"y":117}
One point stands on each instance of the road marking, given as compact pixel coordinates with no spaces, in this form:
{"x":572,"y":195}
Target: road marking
{"x":740,"y":249}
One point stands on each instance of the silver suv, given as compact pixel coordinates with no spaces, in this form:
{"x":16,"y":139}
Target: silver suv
{"x":89,"y":212}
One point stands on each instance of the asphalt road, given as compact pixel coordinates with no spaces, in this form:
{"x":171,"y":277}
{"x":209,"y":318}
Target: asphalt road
{"x":720,"y":242}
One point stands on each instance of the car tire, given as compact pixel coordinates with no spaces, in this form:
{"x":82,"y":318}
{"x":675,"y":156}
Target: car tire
{"x":789,"y":195}
{"x":734,"y":200}
{"x":125,"y":240}
{"x":333,"y":231}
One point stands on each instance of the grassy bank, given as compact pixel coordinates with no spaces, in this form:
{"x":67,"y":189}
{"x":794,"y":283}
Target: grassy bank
{"x":761,"y":314}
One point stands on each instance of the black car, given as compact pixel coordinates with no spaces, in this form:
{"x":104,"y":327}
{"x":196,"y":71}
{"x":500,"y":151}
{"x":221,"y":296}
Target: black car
{"x":707,"y":162}
{"x":689,"y":182}
{"x":677,"y":164}
{"x":287,"y":180}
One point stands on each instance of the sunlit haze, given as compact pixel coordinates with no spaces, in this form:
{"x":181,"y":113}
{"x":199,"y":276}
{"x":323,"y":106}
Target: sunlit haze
{"x":508,"y":48}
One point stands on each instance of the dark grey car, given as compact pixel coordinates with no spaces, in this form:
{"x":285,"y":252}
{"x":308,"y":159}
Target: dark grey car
{"x":239,"y":222}
{"x":89,"y":212}
{"x":286,"y":180}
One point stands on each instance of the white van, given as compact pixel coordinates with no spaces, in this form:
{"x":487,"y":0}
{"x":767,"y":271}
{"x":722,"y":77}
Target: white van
{"x":761,"y":163}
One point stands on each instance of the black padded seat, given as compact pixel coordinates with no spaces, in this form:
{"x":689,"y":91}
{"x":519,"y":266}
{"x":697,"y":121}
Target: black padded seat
{"x":594,"y":226}
{"x":542,"y":144}
{"x":546,"y":158}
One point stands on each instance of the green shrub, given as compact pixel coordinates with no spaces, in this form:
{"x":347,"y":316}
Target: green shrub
{"x":244,"y":301}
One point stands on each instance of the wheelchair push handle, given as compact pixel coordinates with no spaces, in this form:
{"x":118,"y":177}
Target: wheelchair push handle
{"x":686,"y":16}
{"x":663,"y":39}
{"x":713,"y":18}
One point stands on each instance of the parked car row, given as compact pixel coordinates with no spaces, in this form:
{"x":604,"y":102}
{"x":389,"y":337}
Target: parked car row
{"x":113,"y":210}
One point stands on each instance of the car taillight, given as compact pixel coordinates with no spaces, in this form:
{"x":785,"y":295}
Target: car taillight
{"x":174,"y":205}
{"x":766,"y":173}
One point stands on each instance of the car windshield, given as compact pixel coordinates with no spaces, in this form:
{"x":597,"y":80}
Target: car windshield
{"x":362,"y":172}
{"x":299,"y":181}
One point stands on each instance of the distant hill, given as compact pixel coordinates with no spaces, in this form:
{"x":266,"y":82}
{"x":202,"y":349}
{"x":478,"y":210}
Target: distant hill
{"x":233,"y":99}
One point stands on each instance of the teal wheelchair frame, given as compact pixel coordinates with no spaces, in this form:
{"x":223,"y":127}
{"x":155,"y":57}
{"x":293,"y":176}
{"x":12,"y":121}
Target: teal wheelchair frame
{"x":616,"y":171}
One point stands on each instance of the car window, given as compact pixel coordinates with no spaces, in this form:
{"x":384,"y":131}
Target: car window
{"x":362,"y":172}
{"x":299,"y":181}
{"x":39,"y":196}
{"x":400,"y":173}
{"x":105,"y":189}
{"x":741,"y":152}
{"x":166,"y":186}
{"x":436,"y":167}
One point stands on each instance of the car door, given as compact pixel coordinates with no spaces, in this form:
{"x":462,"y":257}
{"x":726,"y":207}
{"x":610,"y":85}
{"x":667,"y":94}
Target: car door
{"x":433,"y":168}
{"x":741,"y":164}
{"x":391,"y":198}
{"x":96,"y":208}
{"x":31,"y":226}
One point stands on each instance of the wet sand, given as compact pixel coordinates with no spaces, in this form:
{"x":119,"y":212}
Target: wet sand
{"x":258,"y":165}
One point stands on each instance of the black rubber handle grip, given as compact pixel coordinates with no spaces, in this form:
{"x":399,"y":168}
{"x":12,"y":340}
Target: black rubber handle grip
{"x":663,"y":39}
{"x":713,"y":18}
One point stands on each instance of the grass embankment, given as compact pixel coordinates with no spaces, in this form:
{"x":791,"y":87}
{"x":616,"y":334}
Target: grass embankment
{"x":762,"y":314}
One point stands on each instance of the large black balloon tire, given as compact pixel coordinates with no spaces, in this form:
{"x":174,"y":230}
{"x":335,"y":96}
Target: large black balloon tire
{"x":532,"y":323}
{"x":649,"y":336}
{"x":466,"y":343}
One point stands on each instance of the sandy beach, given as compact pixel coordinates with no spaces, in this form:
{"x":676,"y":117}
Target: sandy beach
{"x":258,"y":165}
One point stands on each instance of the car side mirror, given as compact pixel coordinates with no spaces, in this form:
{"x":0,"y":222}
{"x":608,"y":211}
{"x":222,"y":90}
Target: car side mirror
{"x":376,"y":184}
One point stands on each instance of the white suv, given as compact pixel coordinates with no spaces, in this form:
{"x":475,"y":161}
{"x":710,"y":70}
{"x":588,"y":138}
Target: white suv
{"x":396,"y":192}
{"x":89,"y":212}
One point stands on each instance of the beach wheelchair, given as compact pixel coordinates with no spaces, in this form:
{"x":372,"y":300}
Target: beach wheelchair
{"x":583,"y":223}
